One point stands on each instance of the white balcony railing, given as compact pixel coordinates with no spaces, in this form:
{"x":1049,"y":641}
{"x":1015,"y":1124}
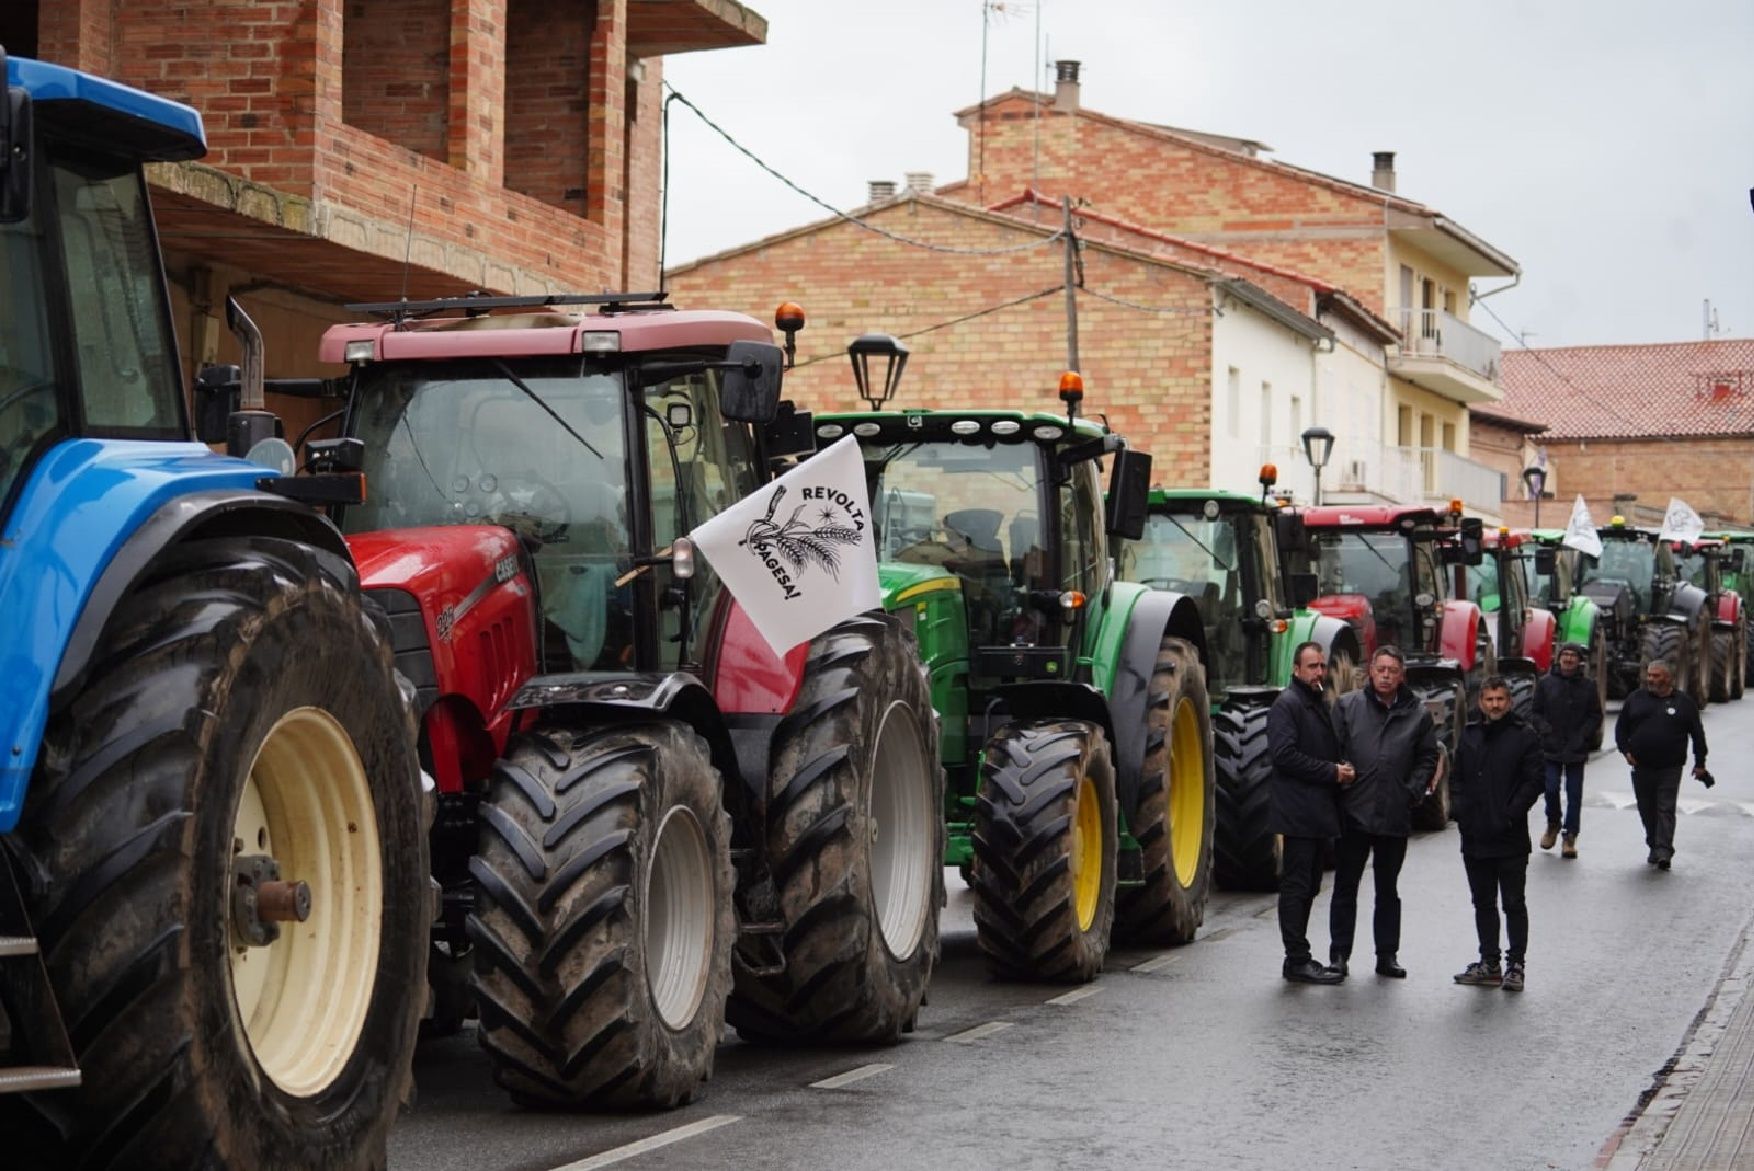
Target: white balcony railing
{"x":1433,"y":332}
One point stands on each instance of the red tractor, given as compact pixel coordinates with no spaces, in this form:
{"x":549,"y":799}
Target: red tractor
{"x":643,"y":811}
{"x":1383,"y":568}
{"x":1704,"y":562}
{"x":1522,"y":633}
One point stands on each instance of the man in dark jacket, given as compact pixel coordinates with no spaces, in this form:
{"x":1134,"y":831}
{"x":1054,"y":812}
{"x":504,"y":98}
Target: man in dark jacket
{"x":1386,"y":735}
{"x":1497,"y":778}
{"x":1568,"y":712}
{"x":1303,"y":805}
{"x":1652,"y":732}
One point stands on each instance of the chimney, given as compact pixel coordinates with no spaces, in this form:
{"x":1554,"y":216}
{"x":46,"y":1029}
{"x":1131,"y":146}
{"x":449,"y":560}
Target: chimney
{"x":1382,"y":174}
{"x":879,"y":190}
{"x":920,"y":183}
{"x":1066,"y":87}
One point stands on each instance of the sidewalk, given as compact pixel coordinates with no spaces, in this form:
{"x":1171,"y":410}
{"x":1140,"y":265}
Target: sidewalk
{"x":1699,"y":1115}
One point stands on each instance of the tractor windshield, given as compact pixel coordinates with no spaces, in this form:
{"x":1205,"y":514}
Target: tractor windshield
{"x":975,"y":511}
{"x":1624,"y":562}
{"x":1693,"y":567}
{"x":28,"y":410}
{"x":460,"y":443}
{"x":1387,"y":570}
{"x":1204,"y":559}
{"x":1483,"y":584}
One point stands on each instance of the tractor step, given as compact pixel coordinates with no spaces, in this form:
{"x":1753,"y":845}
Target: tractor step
{"x":17,"y":945}
{"x":27,"y":1002}
{"x":750,"y":937}
{"x":23,"y":1079}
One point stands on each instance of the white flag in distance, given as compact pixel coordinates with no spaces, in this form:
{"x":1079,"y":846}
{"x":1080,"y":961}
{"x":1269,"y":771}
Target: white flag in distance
{"x":1580,"y":531}
{"x":1680,"y":522}
{"x":801,"y":554}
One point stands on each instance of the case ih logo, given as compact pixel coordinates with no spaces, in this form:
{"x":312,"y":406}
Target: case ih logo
{"x":827,"y":520}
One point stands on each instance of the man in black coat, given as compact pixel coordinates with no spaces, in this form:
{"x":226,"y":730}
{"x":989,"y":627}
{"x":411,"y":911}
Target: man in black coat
{"x":1497,"y":779}
{"x":1386,"y":735}
{"x":1303,"y":805}
{"x":1652,"y":732}
{"x":1568,"y":712}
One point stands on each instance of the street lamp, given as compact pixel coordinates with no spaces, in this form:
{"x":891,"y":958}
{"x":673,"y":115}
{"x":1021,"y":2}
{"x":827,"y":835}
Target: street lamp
{"x":877,"y":345}
{"x":1318,"y":445}
{"x":1535,"y":478}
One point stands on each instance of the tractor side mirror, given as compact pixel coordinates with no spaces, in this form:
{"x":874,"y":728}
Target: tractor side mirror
{"x":216,"y":397}
{"x":1290,"y":533}
{"x":1304,"y":589}
{"x":1472,"y":540}
{"x":1546,"y":561}
{"x":1738,"y":559}
{"x":1129,"y":494}
{"x":791,"y":433}
{"x":750,"y":391}
{"x":15,"y":151}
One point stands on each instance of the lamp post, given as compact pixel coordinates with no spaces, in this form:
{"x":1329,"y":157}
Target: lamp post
{"x":861,"y":350}
{"x":1318,"y":445}
{"x":1535,"y":479}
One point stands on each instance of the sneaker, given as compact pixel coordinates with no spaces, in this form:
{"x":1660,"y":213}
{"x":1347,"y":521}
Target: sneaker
{"x":1551,"y":836}
{"x":1513,"y":976}
{"x":1481,"y":974}
{"x":1570,"y":849}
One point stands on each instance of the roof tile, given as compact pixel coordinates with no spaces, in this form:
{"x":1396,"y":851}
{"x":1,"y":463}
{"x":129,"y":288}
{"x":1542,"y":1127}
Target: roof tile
{"x":1628,"y":392}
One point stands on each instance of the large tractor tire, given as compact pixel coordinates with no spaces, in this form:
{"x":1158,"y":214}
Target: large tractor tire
{"x":1522,"y":692}
{"x":1445,"y":699}
{"x":1738,"y":656}
{"x":1667,"y":642}
{"x":1045,"y":838}
{"x":1724,"y":654}
{"x":243,"y":725}
{"x":603,"y":923}
{"x":1175,"y":821}
{"x":855,"y":843}
{"x":1246,"y":855}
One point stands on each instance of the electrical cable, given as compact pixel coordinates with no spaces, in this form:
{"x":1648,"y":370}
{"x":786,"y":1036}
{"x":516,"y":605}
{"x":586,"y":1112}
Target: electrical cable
{"x":1164,"y":310}
{"x":1013,"y":303}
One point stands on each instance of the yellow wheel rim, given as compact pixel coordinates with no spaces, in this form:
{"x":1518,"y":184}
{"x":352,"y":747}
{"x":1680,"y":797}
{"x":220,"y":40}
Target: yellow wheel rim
{"x":302,"y":999}
{"x":1086,"y":854}
{"x":1187,"y":793}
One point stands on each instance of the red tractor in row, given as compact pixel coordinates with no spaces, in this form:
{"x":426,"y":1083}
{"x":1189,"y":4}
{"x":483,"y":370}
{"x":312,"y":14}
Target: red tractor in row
{"x":1385,"y":569}
{"x":1523,"y":633}
{"x":648,"y":822}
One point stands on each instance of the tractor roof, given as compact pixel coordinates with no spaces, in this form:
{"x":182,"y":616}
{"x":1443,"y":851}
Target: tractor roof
{"x":1509,"y":538}
{"x":107,"y":114}
{"x":539,"y":331}
{"x":1165,"y":500}
{"x":1371,"y":516}
{"x":939,"y":424}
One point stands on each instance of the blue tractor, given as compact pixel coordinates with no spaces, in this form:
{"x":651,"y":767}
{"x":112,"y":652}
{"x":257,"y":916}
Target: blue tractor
{"x":214,"y":893}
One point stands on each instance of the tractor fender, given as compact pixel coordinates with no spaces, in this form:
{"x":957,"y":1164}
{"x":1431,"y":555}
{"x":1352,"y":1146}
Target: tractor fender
{"x":1687,"y":602}
{"x":1729,"y":609}
{"x":1154,"y":615}
{"x":1540,"y":630}
{"x":75,"y":513}
{"x":1579,"y":622}
{"x":1459,"y":633}
{"x":1335,"y":637}
{"x":1355,"y":611}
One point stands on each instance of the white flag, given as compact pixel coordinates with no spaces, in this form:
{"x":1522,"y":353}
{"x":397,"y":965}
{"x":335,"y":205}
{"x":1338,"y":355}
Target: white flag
{"x":1680,"y":522}
{"x":801,"y":554}
{"x":1580,"y":531}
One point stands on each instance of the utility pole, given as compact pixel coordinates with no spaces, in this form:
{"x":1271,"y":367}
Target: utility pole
{"x":1071,"y":283}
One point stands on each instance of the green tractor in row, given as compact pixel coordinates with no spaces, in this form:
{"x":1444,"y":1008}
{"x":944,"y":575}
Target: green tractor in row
{"x":1226,"y":551}
{"x":1075,"y":727}
{"x":1649,"y":610}
{"x":1547,"y":582}
{"x":1738,"y":577}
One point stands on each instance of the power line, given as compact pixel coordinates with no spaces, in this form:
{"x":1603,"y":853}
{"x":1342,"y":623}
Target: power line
{"x":1165,"y":310}
{"x":676,"y":96}
{"x":946,"y":324}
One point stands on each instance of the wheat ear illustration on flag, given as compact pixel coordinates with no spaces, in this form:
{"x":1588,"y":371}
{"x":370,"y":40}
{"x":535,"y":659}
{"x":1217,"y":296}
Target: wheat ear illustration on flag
{"x":795,"y":541}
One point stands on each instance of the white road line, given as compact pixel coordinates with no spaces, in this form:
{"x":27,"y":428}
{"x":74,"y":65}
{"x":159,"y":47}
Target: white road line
{"x":1077,"y":994}
{"x":617,"y":1154}
{"x":1153,"y":965}
{"x":979,"y":1031}
{"x":850,"y":1076}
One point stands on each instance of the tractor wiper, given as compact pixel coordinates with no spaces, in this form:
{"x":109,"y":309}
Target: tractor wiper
{"x":512,"y":377}
{"x":1222,"y":564}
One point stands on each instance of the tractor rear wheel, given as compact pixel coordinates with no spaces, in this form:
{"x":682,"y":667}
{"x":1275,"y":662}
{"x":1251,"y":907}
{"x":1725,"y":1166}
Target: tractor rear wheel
{"x":1444,"y":699}
{"x":1738,"y":657}
{"x":1045,"y":838}
{"x":1723,"y":665}
{"x":1245,"y":852}
{"x":1522,"y":692}
{"x":243,"y":752}
{"x":603,"y":922}
{"x":1666,"y":642}
{"x":855,"y":845}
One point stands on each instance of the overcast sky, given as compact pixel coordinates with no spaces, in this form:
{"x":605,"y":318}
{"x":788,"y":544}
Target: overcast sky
{"x":1607,"y":145}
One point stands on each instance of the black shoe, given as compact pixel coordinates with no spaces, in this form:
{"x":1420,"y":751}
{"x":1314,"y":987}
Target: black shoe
{"x":1662,"y":863}
{"x":1307,"y":971}
{"x":1651,"y":859}
{"x":1337,"y":962}
{"x":1386,"y":966}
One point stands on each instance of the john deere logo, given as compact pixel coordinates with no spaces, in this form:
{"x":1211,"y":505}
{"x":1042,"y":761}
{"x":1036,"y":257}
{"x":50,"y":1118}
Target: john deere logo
{"x":826,"y":521}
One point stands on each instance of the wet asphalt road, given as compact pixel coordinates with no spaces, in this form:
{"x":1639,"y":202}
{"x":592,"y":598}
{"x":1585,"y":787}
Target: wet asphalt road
{"x":1205,"y":1058}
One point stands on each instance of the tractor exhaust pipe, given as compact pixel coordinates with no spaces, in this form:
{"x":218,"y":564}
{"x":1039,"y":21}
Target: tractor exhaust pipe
{"x":252,"y":422}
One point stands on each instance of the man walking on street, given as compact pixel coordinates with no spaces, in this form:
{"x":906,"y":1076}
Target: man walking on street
{"x":1568,"y":712}
{"x":1303,"y":804}
{"x":1497,"y":778}
{"x":1386,"y":735}
{"x":1652,"y":733}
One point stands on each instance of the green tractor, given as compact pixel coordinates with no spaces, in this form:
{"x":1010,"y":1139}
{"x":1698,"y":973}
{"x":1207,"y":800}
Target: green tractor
{"x":1076,"y":735}
{"x":1548,"y":584}
{"x":1223,"y":549}
{"x":1738,"y":577}
{"x":1649,"y":610}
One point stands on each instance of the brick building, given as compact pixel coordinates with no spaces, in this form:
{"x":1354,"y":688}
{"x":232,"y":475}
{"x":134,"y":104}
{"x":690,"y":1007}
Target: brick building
{"x":362,"y":147}
{"x":1630,"y":426}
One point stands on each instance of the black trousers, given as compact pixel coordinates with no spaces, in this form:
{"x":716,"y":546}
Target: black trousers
{"x":1300,"y":881}
{"x":1350,"y":854}
{"x":1488,"y":879}
{"x":1656,"y":790}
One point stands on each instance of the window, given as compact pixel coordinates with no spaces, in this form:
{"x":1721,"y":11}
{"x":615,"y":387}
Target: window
{"x":1266,"y":414}
{"x":1233,"y":402}
{"x":29,"y":412}
{"x":1404,"y":426}
{"x":1296,"y":419}
{"x":1449,"y":436}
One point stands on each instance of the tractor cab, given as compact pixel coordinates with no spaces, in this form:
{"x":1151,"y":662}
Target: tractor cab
{"x":1522,"y":628}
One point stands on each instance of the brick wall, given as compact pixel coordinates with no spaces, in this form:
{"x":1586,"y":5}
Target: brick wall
{"x":1713,"y":475}
{"x":546,"y":100}
{"x":395,"y":67}
{"x":1150,"y":373}
{"x":644,"y":170}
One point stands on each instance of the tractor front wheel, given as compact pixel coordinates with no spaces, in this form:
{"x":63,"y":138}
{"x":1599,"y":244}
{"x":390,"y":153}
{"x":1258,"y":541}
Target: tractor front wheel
{"x":228,"y":841}
{"x":1724,"y":653}
{"x":1245,"y":851}
{"x":1666,"y":642}
{"x":1045,"y":838}
{"x":603,"y":922}
{"x":855,"y":846}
